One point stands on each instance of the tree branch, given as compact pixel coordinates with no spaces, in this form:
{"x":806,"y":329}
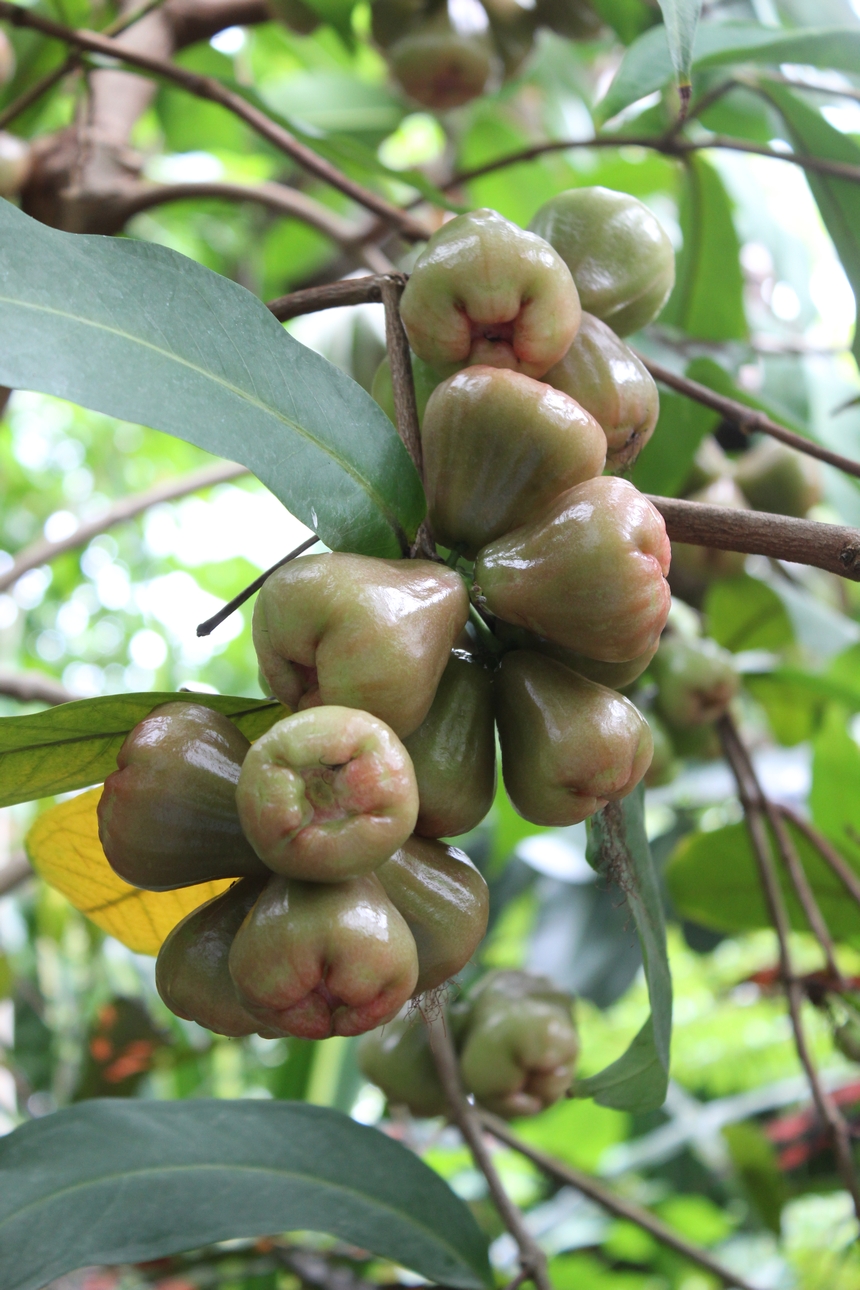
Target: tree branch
{"x":827,"y":851}
{"x":755,"y":810}
{"x":833,"y":547}
{"x":33,"y":687}
{"x":127,"y":508}
{"x":614,"y":1204}
{"x":206,"y":87}
{"x":331,"y":295}
{"x":14,"y":872}
{"x":206,"y":628}
{"x":532,"y":1257}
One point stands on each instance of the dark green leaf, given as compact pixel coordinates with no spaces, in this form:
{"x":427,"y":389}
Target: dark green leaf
{"x":707,"y":301}
{"x":665,"y":463}
{"x":144,"y":334}
{"x":113,"y":1181}
{"x":618,"y":849}
{"x":744,"y":613}
{"x":75,"y":745}
{"x":838,"y":199}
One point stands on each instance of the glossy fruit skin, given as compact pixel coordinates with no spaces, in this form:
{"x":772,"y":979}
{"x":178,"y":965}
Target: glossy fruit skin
{"x":569,"y":746}
{"x":439,"y":67}
{"x":521,"y":1045}
{"x":696,"y":681}
{"x":453,"y":751}
{"x":498,"y":447}
{"x":398,"y":1060}
{"x":485,"y":291}
{"x":621,"y":259}
{"x":319,"y":959}
{"x":607,"y":378}
{"x":615,"y":676}
{"x":359,"y":632}
{"x":191,"y":971}
{"x":167,"y":815}
{"x":445,"y":903}
{"x":589,"y":574}
{"x":424,"y":378}
{"x":775,"y":478}
{"x":327,"y":794}
{"x":15,"y":161}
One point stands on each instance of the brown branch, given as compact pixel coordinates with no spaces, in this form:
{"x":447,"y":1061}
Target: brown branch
{"x":749,"y":420}
{"x":206,"y":87}
{"x":532,"y":1257}
{"x":827,"y":851}
{"x":833,"y":547}
{"x":331,"y":295}
{"x":755,"y":812}
{"x":205,"y":629}
{"x":614,"y":1204}
{"x":127,"y":508}
{"x":14,"y":872}
{"x":402,"y":384}
{"x":802,"y":887}
{"x":33,"y":687}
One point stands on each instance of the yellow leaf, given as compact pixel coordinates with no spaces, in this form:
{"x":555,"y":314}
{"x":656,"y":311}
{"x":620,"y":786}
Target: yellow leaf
{"x":64,"y":849}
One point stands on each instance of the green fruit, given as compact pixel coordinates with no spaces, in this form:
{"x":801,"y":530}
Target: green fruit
{"x":424,"y":379}
{"x":513,"y":30}
{"x":846,"y":1038}
{"x":15,"y":160}
{"x":453,"y":751}
{"x":695,"y":567}
{"x":663,"y":768}
{"x":709,"y":465}
{"x":699,"y":743}
{"x":622,"y":261}
{"x":696,"y":681}
{"x":167,"y":815}
{"x":613,"y":384}
{"x":569,"y":746}
{"x":775,"y":478}
{"x":359,"y":632}
{"x":320,"y":959}
{"x":445,"y":902}
{"x":327,"y":794}
{"x":571,"y":18}
{"x":498,"y":447}
{"x":590,"y":574}
{"x":521,"y":1046}
{"x":398,"y":1060}
{"x":391,"y":19}
{"x":485,"y":291}
{"x":295,"y":14}
{"x":616,"y":676}
{"x":191,"y":971}
{"x":439,"y":67}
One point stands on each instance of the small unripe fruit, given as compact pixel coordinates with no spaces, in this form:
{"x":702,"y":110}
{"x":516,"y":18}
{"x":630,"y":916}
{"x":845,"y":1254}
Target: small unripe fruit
{"x":191,"y":971}
{"x":445,"y":902}
{"x":622,"y":261}
{"x":498,"y":447}
{"x":453,"y":751}
{"x":391,"y":19}
{"x":513,"y":29}
{"x":569,"y":746}
{"x":485,"y":291}
{"x":319,"y":959}
{"x":398,"y":1060}
{"x":697,"y":681}
{"x":695,"y":567}
{"x":359,"y":632}
{"x":709,"y":465}
{"x":167,"y":815}
{"x":295,"y":14}
{"x":520,"y":1046}
{"x":663,"y":766}
{"x":607,"y":378}
{"x":15,"y":164}
{"x":327,"y":794}
{"x":775,"y":478}
{"x":424,"y":378}
{"x":590,"y":574}
{"x":439,"y":67}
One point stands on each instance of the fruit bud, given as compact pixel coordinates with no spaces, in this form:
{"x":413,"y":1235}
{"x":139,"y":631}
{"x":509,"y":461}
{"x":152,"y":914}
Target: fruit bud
{"x":398,"y":1060}
{"x":319,"y":959}
{"x":613,"y":384}
{"x":485,"y":291}
{"x":327,"y":794}
{"x":520,"y":1046}
{"x":15,"y":164}
{"x":359,"y":632}
{"x":697,"y":681}
{"x":445,"y":903}
{"x":191,"y":971}
{"x":439,"y":67}
{"x":569,"y":746}
{"x":590,"y":574}
{"x":775,"y":478}
{"x":622,"y":261}
{"x":167,"y":815}
{"x":498,"y":447}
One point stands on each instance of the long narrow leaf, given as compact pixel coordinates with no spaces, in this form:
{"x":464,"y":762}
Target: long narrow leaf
{"x":681,"y":18}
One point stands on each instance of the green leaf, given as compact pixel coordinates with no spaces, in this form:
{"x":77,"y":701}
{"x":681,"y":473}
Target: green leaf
{"x":710,"y":373}
{"x":838,"y":200}
{"x":834,"y":799}
{"x":707,"y":301}
{"x":146,"y":335}
{"x":681,"y":18}
{"x":744,"y":613}
{"x":647,"y":64}
{"x":618,"y":849}
{"x":75,"y":744}
{"x":665,"y":463}
{"x":109,"y":1181}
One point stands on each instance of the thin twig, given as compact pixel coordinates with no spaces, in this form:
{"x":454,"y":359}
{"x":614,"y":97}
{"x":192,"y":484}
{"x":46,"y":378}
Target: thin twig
{"x":753,"y":803}
{"x":747,"y":419}
{"x":846,"y":92}
{"x":402,"y":384}
{"x":802,"y":887}
{"x":16,"y":870}
{"x":43,"y":551}
{"x":205,"y":629}
{"x":331,"y":295}
{"x":207,"y":87}
{"x":833,"y":547}
{"x":33,"y":687}
{"x":827,"y":851}
{"x":614,"y":1204}
{"x":532,"y":1257}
